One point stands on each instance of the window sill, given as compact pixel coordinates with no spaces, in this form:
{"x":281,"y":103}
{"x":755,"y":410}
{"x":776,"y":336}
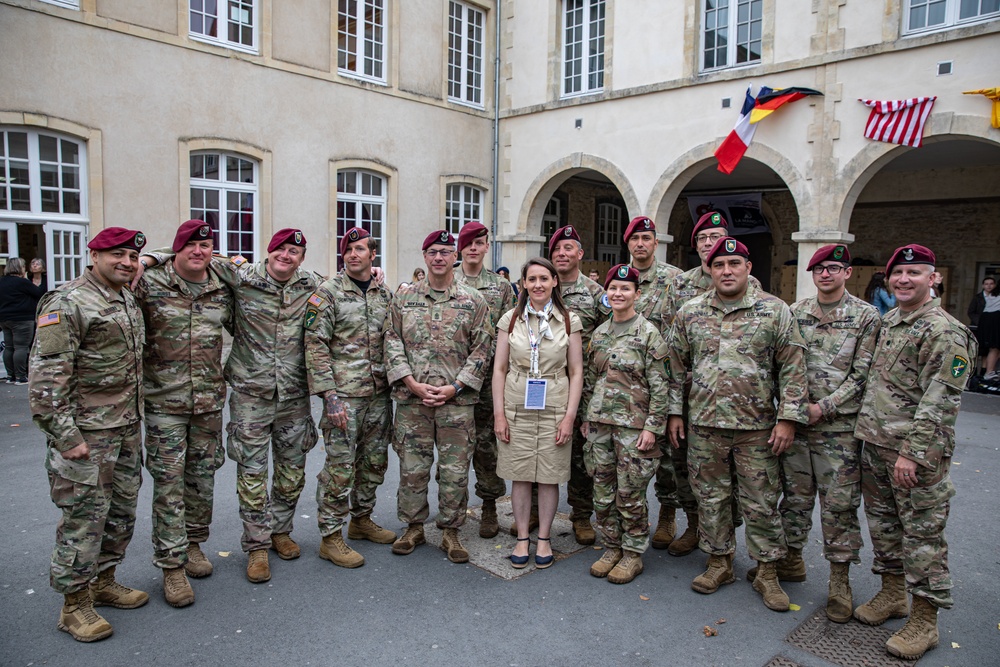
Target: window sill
{"x":198,"y":37}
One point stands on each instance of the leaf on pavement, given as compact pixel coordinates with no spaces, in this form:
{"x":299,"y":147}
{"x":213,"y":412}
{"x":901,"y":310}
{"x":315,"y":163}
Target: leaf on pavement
{"x":710,"y":631}
{"x":643,"y":597}
{"x":794,"y":607}
{"x":224,"y":554}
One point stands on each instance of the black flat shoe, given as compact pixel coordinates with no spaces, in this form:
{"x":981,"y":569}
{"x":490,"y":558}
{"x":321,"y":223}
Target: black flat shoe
{"x":519,"y":562}
{"x":542,"y":562}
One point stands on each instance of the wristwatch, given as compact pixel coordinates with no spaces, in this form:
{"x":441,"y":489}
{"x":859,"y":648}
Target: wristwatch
{"x":144,"y":264}
{"x":458,"y":389}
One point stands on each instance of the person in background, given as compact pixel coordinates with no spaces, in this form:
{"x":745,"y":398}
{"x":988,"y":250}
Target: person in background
{"x":505,"y":272}
{"x":987,"y":327}
{"x":594,"y":275}
{"x":937,"y":285}
{"x":974,"y":311}
{"x":37,"y":275}
{"x":18,"y":301}
{"x":877,"y":295}
{"x":418,"y":274}
{"x":538,"y":342}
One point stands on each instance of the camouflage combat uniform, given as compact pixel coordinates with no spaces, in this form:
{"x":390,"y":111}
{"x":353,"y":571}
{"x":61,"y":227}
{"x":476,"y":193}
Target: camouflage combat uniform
{"x":344,"y":354}
{"x":499,"y":296}
{"x":909,"y":409}
{"x":86,"y":388}
{"x":626,"y":394}
{"x":826,"y":456}
{"x":654,"y":305}
{"x":742,"y":357}
{"x":438,"y":338}
{"x":185,"y":393}
{"x":586,"y":299}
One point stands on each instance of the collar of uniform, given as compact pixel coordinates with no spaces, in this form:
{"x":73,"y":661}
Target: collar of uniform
{"x":477,"y":280}
{"x":448,"y":293}
{"x":649,"y":275}
{"x":260,"y":268}
{"x":834,"y":315}
{"x":350,"y":286}
{"x":173,"y":278}
{"x":109,"y":294}
{"x":577,"y":287}
{"x":748,"y":300}
{"x":633,"y":328}
{"x":899,"y":317}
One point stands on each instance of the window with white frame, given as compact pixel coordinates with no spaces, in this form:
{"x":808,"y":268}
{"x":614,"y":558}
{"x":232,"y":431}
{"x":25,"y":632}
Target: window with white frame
{"x":68,"y":4}
{"x":229,"y":22}
{"x":361,"y":202}
{"x":583,"y":47}
{"x":41,"y":175}
{"x":361,"y":38}
{"x":465,"y":53}
{"x":463,"y":203}
{"x":731,"y":32}
{"x":551,"y":219}
{"x":610,"y":229}
{"x":931,"y":14}
{"x":224,"y":193}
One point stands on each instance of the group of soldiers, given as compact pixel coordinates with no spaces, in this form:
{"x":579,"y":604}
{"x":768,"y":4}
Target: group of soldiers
{"x":767,"y":406}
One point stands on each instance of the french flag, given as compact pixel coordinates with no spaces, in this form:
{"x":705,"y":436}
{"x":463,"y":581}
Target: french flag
{"x":735,"y":145}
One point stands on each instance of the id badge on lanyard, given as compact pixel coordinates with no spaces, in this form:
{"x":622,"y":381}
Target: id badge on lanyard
{"x":534,"y":394}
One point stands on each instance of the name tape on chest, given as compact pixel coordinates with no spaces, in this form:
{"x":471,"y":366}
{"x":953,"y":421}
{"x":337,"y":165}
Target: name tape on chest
{"x":111,"y":310}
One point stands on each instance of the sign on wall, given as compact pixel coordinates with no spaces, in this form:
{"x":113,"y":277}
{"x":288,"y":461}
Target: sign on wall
{"x":741,"y":211}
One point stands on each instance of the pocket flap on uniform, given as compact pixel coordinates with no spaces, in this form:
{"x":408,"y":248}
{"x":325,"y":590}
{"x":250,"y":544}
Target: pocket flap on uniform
{"x":927,"y":497}
{"x":81,"y":472}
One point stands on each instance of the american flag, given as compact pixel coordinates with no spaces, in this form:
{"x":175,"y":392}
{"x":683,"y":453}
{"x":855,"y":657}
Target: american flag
{"x":898,"y":121}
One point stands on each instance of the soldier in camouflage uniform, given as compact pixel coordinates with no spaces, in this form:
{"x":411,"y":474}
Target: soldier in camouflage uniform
{"x":706,"y":233}
{"x":907,"y":423}
{"x":626,"y":397}
{"x":840,"y":331}
{"x":473,"y":247}
{"x":185,"y":306}
{"x":345,"y":364}
{"x":437,"y":344}
{"x":270,"y":400}
{"x":582,"y":296}
{"x":744,"y":351}
{"x":655,"y":278}
{"x":86,"y":397}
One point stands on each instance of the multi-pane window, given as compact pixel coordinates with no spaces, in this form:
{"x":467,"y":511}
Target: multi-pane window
{"x":361,"y":38}
{"x":230,"y":22}
{"x":931,"y":14}
{"x":41,"y":173}
{"x":465,"y":53}
{"x":224,"y":194}
{"x":361,"y":202}
{"x":463,"y":203}
{"x":550,"y":222}
{"x":731,"y":32}
{"x":583,"y":46}
{"x":609,"y":233}
{"x":69,"y":4}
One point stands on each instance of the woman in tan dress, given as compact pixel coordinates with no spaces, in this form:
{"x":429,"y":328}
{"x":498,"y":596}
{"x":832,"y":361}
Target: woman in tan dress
{"x":538,"y":369}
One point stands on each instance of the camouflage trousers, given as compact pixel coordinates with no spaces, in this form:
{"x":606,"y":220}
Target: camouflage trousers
{"x":489,"y":486}
{"x":418,"y":430}
{"x":828,"y":463}
{"x":758,"y":478}
{"x":182,"y":454}
{"x":621,"y":475}
{"x":673,"y":484}
{"x":580,"y":488}
{"x":97,"y":498}
{"x":356,"y":460}
{"x":257,"y":425}
{"x":907,"y":525}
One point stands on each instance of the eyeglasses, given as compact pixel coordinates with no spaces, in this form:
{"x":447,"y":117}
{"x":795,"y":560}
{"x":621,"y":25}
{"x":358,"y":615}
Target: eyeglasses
{"x":701,"y":238}
{"x":438,"y":253}
{"x":832,"y":269}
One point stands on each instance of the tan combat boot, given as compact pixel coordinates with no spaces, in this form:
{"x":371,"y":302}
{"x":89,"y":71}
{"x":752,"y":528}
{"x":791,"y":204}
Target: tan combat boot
{"x":839,"y":601}
{"x":489,"y":524}
{"x":890,"y":602}
{"x":919,"y":634}
{"x":666,"y":527}
{"x":790,"y":567}
{"x":767,"y":585}
{"x":453,"y":546}
{"x":606,"y":563}
{"x":258,"y":568}
{"x":107,"y":591}
{"x":177,"y":590}
{"x":532,"y":523}
{"x":79,"y":619}
{"x":197,"y":564}
{"x":583,"y":531}
{"x":413,"y":537}
{"x":363,"y":528}
{"x":718,"y":573}
{"x":627,"y":569}
{"x":687,"y":542}
{"x":285,"y":546}
{"x":334,"y":549}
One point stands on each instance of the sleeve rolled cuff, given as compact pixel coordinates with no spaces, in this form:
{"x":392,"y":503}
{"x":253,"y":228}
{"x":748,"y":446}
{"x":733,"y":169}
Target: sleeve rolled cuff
{"x":394,"y":375}
{"x":469,"y":380}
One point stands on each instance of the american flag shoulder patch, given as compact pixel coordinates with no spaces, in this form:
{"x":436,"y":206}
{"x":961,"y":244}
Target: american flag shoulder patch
{"x":238,"y":260}
{"x":316,"y":300}
{"x":48,"y":318}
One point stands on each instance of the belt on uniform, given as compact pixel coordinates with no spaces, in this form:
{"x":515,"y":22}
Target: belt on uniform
{"x":517,"y":371}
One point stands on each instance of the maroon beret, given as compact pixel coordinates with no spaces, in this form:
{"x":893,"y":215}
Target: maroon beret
{"x":353,"y":234}
{"x":441,"y":237}
{"x":287,"y":235}
{"x":622,"y":272}
{"x":835,"y":252}
{"x":639,"y":224}
{"x":117,"y":237}
{"x":728,"y":246}
{"x":562,"y":234}
{"x":192,"y":230}
{"x":711,"y":220}
{"x":911,"y":254}
{"x":470,"y":230}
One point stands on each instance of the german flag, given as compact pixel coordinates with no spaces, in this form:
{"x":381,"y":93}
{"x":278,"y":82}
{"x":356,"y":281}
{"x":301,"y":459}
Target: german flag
{"x":770,"y":100}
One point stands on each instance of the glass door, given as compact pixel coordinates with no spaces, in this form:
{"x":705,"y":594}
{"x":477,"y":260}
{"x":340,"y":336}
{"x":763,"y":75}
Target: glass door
{"x":66,"y":250}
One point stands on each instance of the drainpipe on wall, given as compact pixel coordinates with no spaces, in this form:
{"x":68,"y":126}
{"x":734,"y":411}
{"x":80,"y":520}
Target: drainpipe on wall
{"x":496,"y":141}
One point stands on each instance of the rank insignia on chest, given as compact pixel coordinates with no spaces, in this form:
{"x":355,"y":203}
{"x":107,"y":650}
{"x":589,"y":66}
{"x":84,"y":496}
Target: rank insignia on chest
{"x":436,"y":315}
{"x":311,"y":316}
{"x":316,"y":300}
{"x":958,"y":366}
